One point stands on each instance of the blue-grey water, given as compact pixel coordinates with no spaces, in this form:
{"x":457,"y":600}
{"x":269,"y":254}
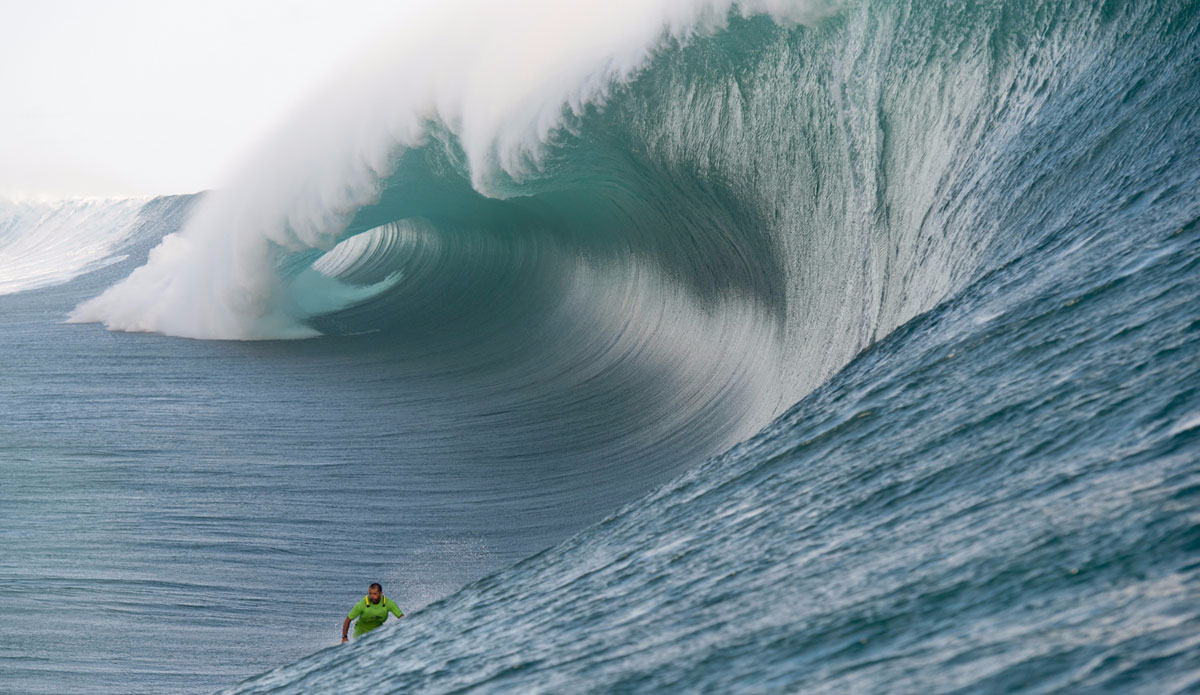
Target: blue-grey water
{"x":853,"y":356}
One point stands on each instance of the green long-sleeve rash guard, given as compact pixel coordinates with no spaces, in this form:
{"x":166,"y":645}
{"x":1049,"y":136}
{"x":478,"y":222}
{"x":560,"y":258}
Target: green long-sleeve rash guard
{"x":372,"y":615}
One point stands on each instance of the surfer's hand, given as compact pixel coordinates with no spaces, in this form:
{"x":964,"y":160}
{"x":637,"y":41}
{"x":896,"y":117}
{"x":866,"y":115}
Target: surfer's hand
{"x":345,"y":640}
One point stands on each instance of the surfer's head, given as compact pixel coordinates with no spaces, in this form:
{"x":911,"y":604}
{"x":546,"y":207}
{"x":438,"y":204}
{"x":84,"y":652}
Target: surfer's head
{"x":375,"y":593}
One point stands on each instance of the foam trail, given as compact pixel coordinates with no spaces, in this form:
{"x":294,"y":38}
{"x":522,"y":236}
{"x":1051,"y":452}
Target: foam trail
{"x":502,"y":83}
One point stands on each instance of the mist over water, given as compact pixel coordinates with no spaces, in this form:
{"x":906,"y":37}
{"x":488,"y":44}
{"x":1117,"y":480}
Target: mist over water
{"x":677,"y":346}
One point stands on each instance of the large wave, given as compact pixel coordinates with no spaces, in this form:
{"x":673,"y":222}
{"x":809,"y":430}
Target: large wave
{"x":742,"y":196}
{"x":482,"y":172}
{"x":997,"y":497}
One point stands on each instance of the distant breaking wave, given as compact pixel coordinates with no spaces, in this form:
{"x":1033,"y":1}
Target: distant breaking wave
{"x":41,"y":244}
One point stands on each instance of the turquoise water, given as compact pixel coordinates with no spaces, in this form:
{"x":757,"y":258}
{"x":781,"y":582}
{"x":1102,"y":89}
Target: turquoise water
{"x":854,"y":354}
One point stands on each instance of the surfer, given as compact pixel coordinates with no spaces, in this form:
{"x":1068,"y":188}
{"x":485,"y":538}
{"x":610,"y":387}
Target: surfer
{"x":371,"y":612}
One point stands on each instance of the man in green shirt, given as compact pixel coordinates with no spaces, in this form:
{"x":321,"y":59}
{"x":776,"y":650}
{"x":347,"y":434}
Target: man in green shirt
{"x":371,"y":612}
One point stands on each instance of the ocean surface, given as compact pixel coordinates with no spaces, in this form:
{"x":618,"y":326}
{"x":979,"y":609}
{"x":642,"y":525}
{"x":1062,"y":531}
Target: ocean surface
{"x":777,"y":347}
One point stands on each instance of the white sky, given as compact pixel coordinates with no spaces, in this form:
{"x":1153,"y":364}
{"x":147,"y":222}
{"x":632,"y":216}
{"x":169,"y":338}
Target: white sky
{"x":129,"y":97}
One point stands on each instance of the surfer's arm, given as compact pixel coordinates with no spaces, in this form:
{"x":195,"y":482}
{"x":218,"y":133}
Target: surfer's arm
{"x":354,"y":613}
{"x":394,"y":609}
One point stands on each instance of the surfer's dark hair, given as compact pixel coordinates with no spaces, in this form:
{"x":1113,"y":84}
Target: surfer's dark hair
{"x":376,"y":586}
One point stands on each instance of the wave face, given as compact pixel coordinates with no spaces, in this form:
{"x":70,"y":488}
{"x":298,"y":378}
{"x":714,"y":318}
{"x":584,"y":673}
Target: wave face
{"x":747,"y":203}
{"x":43,"y":244}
